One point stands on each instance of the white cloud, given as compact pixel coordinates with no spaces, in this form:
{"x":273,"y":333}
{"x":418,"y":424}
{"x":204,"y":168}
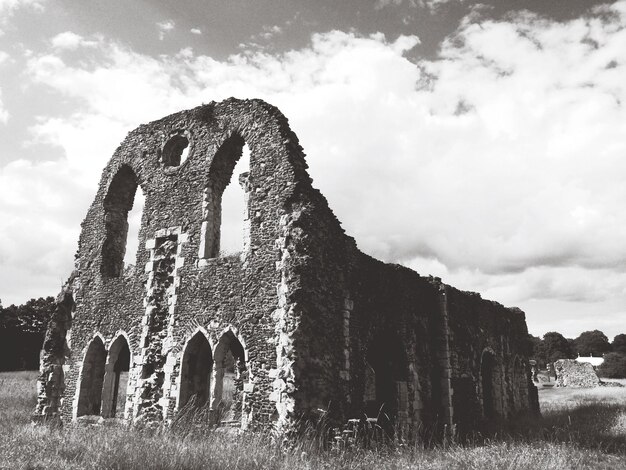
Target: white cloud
{"x":431,"y":5}
{"x":4,"y":114}
{"x":9,"y":7}
{"x":197,"y":31}
{"x":71,"y":41}
{"x":164,"y":28}
{"x":498,"y":166}
{"x":38,"y":206}
{"x":384,"y":3}
{"x":270,"y":31}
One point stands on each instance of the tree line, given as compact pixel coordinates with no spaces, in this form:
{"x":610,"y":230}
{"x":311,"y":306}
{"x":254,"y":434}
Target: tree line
{"x":554,"y":346}
{"x":22,"y":331}
{"x":23,"y":327}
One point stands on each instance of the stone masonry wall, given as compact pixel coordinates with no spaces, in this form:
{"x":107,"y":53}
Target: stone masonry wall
{"x":313,"y":323}
{"x":574,"y":374}
{"x":434,"y":337}
{"x":478,"y":330}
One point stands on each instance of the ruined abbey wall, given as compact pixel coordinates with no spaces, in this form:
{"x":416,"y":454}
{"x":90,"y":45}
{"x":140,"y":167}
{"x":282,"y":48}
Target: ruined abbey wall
{"x":438,"y":356}
{"x":299,"y":321}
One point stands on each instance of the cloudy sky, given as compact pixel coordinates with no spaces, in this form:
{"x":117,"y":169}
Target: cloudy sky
{"x":484,"y":143}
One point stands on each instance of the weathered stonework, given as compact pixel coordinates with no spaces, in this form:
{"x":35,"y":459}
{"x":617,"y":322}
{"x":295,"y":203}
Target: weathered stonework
{"x":301,"y":320}
{"x":574,"y":374}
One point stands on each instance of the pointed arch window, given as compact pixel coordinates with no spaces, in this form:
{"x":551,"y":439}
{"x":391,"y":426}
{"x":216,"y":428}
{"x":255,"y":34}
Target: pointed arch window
{"x":225,"y":217}
{"x":92,"y":376}
{"x":118,"y":202}
{"x":227,"y":380}
{"x":196,"y":369}
{"x":116,"y":379}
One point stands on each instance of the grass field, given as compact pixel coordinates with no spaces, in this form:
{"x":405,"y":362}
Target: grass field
{"x":580,"y":429}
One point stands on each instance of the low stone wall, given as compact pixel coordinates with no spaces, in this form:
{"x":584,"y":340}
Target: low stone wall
{"x":570,"y":373}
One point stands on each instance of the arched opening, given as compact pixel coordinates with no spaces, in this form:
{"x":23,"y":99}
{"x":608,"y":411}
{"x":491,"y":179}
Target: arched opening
{"x":235,"y":217}
{"x":116,"y":379}
{"x":487,"y":376}
{"x":387,"y":363}
{"x":117,"y":204}
{"x":227,"y":380}
{"x":134,"y":225}
{"x":92,"y":376}
{"x":175,"y":150}
{"x":195,"y":372}
{"x":226,"y":219}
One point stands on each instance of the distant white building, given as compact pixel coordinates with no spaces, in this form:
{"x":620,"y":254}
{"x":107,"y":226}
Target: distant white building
{"x":594,"y":361}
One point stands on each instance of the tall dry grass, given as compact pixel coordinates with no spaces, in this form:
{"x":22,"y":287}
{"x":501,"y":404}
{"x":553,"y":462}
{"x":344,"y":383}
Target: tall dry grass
{"x":579,"y":430}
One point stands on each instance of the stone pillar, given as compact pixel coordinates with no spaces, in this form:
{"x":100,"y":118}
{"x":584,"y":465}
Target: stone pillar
{"x":51,"y":380}
{"x":153,"y":390}
{"x":217,"y":386}
{"x":108,"y":389}
{"x":443,"y":356}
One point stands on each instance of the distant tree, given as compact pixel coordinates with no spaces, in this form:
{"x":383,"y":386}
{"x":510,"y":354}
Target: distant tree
{"x":613,"y":367}
{"x":22,"y":330}
{"x":35,"y":314}
{"x":592,"y":343}
{"x":619,"y":344}
{"x":9,"y":318}
{"x":31,"y":316}
{"x":555,"y":346}
{"x":536,"y":350}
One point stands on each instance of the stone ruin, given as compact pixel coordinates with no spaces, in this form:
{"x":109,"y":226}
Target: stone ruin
{"x":574,"y":374}
{"x":297,"y":322}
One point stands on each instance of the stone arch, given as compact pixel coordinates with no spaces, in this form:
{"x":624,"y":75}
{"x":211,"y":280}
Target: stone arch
{"x":242,"y":341}
{"x":115,"y":383}
{"x":220,"y":175}
{"x":228,"y":378}
{"x":117,"y":203}
{"x":175,"y":151}
{"x":91,"y":379}
{"x":386,"y":359}
{"x":195,"y":370}
{"x":488,"y":387}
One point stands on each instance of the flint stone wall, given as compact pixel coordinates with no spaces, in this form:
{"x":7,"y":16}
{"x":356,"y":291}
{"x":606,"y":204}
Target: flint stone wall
{"x":320,"y":325}
{"x":574,"y":374}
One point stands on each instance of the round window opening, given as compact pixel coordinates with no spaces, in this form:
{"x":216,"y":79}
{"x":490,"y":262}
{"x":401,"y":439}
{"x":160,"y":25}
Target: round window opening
{"x":175,"y":151}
